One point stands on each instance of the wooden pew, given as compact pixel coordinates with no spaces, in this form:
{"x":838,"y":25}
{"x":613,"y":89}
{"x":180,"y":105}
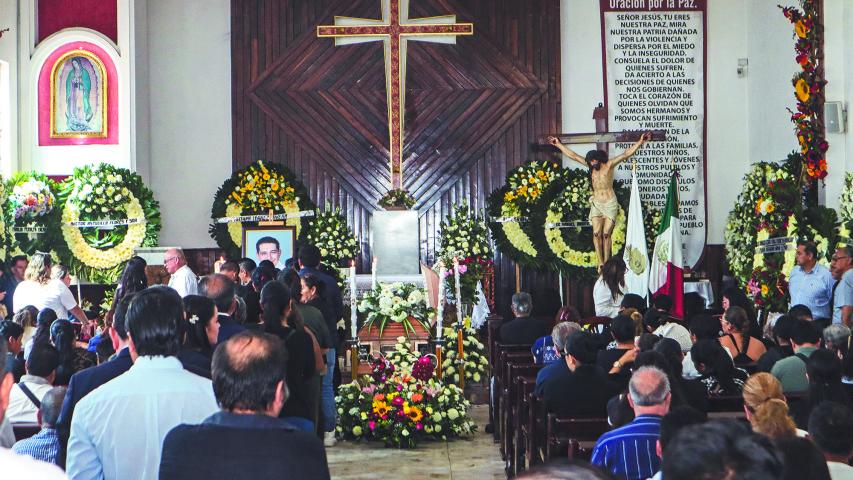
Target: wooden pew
{"x":580,"y":434}
{"x":505,"y":352}
{"x":25,"y":430}
{"x":521,"y":410}
{"x":513,"y":402}
{"x":511,"y":362}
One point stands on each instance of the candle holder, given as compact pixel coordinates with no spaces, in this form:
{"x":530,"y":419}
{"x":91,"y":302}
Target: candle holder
{"x":460,"y":353}
{"x":438,"y":345}
{"x":353,"y":344}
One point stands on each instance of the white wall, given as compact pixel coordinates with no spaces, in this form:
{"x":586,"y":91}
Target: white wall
{"x":9,"y":89}
{"x":747,"y":117}
{"x":189,"y":110}
{"x":61,"y":160}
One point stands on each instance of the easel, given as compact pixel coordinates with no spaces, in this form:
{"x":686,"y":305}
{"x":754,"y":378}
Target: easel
{"x":270,"y":222}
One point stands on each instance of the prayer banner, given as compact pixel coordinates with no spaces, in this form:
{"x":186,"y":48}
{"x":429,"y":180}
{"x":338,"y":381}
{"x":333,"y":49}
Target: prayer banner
{"x":655,"y":79}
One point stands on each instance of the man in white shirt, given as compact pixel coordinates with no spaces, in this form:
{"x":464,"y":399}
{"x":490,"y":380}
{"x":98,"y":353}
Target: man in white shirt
{"x":12,"y":465}
{"x":830,"y":424}
{"x":26,"y":395}
{"x":117,"y":431}
{"x":183,"y":280}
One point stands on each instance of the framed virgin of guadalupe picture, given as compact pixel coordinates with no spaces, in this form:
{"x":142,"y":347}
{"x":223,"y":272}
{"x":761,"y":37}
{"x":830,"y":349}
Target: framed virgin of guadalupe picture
{"x":78,"y":96}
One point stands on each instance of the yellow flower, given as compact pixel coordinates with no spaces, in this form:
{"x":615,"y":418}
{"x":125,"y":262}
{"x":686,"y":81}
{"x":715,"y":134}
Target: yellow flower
{"x":381,"y":408}
{"x":765,"y":289}
{"x":803,"y":90}
{"x":770,"y":207}
{"x":801,"y":29}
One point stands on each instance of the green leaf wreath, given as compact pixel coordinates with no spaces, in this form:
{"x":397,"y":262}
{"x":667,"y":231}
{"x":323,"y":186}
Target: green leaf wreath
{"x":32,"y":204}
{"x":519,"y":198}
{"x":105,"y":192}
{"x":331,"y":234}
{"x":255,"y":190}
{"x":567,"y":200}
{"x":7,"y":220}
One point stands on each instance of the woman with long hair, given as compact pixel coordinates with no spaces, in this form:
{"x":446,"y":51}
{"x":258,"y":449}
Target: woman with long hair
{"x":766,"y":407}
{"x":44,"y":319}
{"x":39,"y":290}
{"x":609,"y":288}
{"x":716,"y":369}
{"x":735,"y":297}
{"x":281,"y":320}
{"x":72,"y":358}
{"x":737,"y":338}
{"x":27,"y":319}
{"x":132,"y":279}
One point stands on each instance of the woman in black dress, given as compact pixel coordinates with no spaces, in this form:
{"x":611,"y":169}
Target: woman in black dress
{"x":280,"y":319}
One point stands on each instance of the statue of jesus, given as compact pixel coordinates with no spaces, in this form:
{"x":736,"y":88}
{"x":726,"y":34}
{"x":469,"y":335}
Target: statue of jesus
{"x":603,"y":206}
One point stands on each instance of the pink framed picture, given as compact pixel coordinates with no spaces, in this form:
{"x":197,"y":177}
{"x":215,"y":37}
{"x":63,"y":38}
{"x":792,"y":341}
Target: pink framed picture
{"x":78,"y":97}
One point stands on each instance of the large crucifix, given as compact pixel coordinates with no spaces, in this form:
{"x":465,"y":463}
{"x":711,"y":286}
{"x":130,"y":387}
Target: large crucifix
{"x":603,"y":205}
{"x":394,"y":30}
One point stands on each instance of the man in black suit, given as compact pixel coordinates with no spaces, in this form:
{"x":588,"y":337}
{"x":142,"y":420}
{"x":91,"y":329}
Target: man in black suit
{"x":522,"y":329}
{"x":246,"y":440}
{"x":581,"y":388}
{"x":220,"y":289}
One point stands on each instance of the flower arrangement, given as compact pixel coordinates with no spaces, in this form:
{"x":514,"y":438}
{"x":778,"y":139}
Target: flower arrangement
{"x":465,"y":236}
{"x":31,"y":197}
{"x":845,"y":211}
{"x":30,"y":207}
{"x":101,"y":193}
{"x":768,"y":287}
{"x":476,"y":361}
{"x":517,"y":200}
{"x":402,"y":303}
{"x":767,"y":205}
{"x":255,"y":190}
{"x":809,"y":85}
{"x":397,"y":198}
{"x":7,"y":240}
{"x":402,"y":407}
{"x":651,"y":222}
{"x":567,"y":200}
{"x":331,"y":234}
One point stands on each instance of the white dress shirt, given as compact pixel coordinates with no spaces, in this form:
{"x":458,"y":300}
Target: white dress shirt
{"x":840,"y":471}
{"x":54,"y":295}
{"x":184,"y":281}
{"x":117,"y":430}
{"x":23,"y":466}
{"x":21,"y":409}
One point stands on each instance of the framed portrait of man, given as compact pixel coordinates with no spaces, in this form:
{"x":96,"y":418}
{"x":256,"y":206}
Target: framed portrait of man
{"x":275,"y":244}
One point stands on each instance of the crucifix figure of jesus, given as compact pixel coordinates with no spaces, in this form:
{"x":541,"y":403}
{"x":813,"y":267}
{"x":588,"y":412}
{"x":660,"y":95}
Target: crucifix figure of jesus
{"x":394,"y":30}
{"x":603,"y":206}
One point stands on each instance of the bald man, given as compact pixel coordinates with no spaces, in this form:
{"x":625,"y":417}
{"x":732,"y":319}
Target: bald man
{"x":182,"y":279}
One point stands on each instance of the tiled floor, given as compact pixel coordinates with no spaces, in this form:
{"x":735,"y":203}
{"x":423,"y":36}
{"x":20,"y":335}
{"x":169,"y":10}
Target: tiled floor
{"x":477,"y":458}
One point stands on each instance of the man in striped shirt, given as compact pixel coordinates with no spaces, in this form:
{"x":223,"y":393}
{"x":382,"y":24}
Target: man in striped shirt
{"x":630,"y":452}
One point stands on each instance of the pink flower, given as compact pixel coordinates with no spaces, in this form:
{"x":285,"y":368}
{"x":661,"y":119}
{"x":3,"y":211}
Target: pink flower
{"x":463,"y":269}
{"x":397,"y":401}
{"x":419,"y":426}
{"x":372,"y":425}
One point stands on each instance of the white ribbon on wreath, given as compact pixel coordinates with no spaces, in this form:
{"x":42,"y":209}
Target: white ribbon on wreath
{"x":107,"y":258}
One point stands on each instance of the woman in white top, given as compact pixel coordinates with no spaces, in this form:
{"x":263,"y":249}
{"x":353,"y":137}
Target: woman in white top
{"x":608,"y":290}
{"x":39,"y":290}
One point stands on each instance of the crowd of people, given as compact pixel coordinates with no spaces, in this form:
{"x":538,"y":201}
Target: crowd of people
{"x":238,"y":366}
{"x":651,"y":373}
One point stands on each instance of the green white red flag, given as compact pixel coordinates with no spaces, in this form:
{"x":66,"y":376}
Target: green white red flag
{"x":667,"y":269}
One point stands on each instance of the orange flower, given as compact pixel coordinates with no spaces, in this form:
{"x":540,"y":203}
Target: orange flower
{"x":379,"y":397}
{"x":417,"y":397}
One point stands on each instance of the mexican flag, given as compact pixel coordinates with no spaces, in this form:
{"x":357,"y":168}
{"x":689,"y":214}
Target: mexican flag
{"x":636,"y":254}
{"x":667,"y":274}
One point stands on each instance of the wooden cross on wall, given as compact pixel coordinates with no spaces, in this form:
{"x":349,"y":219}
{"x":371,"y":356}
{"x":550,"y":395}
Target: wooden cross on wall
{"x":394,"y":30}
{"x":601,"y":137}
